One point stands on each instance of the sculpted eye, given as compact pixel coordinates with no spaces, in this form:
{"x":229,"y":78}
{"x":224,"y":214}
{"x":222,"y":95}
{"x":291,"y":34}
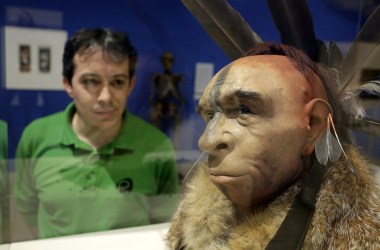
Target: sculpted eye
{"x":209,"y":116}
{"x":244,"y":110}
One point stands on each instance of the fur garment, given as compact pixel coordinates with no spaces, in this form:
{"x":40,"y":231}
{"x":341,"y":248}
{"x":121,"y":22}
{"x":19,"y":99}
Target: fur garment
{"x":347,"y":214}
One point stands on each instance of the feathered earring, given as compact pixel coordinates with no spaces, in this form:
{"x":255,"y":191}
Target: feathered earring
{"x":330,"y":148}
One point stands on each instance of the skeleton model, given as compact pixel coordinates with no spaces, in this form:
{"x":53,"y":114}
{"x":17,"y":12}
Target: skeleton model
{"x":167,"y":100}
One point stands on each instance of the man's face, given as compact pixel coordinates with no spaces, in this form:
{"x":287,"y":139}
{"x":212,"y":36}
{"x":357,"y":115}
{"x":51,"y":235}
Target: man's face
{"x":100,"y":87}
{"x":257,"y":126}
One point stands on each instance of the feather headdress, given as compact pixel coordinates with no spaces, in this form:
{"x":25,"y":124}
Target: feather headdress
{"x":294,"y":22}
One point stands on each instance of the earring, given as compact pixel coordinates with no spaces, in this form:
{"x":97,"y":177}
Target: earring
{"x":330,"y":148}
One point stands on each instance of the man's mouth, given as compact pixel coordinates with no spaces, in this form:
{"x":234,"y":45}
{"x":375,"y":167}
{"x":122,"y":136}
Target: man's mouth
{"x":105,"y":113}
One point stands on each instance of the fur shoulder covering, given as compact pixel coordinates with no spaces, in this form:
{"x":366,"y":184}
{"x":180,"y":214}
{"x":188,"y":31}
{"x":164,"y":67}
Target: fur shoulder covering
{"x":347,"y":214}
{"x":348,"y":208}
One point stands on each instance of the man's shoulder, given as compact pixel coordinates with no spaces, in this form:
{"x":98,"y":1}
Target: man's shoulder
{"x":47,"y":123}
{"x":145,"y":135}
{"x":141,"y":125}
{"x":41,"y":132}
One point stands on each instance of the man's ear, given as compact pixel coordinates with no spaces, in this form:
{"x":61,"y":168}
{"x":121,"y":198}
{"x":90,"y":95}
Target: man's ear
{"x":67,"y":86}
{"x":318,"y":111}
{"x":131,"y":84}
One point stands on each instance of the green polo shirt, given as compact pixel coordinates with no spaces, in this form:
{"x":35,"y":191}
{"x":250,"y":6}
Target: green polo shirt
{"x":66,"y":187}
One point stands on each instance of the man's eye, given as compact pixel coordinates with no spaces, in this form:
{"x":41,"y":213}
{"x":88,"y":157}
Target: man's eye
{"x":90,"y":81}
{"x":118,"y":82}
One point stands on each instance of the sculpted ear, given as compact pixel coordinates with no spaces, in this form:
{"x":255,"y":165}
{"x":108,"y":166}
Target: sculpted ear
{"x":318,"y":111}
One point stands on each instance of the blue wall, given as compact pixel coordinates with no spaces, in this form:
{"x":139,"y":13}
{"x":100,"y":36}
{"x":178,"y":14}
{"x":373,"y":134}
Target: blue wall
{"x":154,"y":27}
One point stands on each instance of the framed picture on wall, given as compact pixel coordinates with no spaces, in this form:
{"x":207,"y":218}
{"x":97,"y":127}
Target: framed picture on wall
{"x":24,"y":58}
{"x":44,"y":59}
{"x":33,"y":58}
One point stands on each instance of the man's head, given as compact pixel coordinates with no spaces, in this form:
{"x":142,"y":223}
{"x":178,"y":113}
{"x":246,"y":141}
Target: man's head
{"x":98,"y":72}
{"x":113,"y":43}
{"x":265,"y":112}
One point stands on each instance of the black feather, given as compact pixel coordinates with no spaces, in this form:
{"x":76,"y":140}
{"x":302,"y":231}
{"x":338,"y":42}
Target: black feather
{"x":293,"y":20}
{"x":224,"y":25}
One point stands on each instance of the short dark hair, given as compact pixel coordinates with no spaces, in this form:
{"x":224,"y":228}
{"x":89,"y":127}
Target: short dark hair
{"x":115,"y":43}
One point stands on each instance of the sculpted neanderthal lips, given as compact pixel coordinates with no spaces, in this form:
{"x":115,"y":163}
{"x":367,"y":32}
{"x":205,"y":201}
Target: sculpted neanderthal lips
{"x":224,"y":177}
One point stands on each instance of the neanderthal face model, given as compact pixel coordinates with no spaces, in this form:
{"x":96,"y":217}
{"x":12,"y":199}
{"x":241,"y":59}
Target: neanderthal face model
{"x":258,"y":113}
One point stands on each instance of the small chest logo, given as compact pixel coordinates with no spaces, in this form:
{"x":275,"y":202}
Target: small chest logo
{"x":125,"y":185}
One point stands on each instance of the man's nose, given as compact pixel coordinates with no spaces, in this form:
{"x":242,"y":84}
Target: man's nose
{"x":105,"y":94}
{"x":216,"y":138}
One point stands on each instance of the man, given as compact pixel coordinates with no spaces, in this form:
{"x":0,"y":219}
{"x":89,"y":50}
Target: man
{"x":265,"y":114}
{"x":95,"y":166}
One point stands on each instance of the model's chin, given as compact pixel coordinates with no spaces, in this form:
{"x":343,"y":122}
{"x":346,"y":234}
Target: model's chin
{"x":238,"y":189}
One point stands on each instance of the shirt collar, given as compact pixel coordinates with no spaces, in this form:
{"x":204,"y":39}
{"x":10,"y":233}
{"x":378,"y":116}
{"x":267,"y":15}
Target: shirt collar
{"x":69,"y":138}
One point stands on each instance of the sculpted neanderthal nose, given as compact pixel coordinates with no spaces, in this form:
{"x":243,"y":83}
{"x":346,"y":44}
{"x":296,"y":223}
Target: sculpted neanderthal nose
{"x":216,"y":136}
